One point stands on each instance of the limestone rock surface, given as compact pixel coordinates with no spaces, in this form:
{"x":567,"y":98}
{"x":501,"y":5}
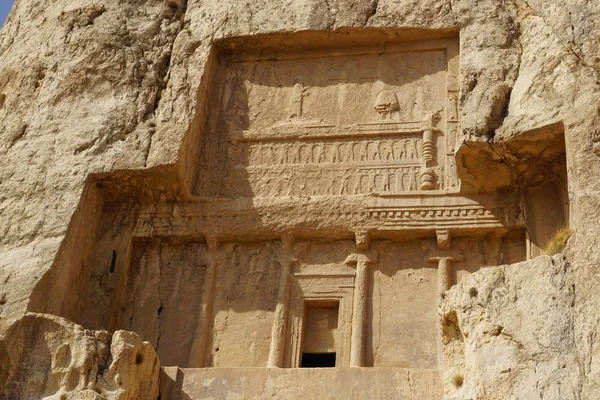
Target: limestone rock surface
{"x":110,"y":87}
{"x":47,"y":357}
{"x":509,"y":332}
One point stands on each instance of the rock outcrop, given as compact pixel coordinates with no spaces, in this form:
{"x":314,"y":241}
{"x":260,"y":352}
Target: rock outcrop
{"x":102,"y":100}
{"x":47,"y":357}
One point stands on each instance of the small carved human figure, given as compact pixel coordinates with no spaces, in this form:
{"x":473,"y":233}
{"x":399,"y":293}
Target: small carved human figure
{"x":276,"y":186}
{"x":317,"y":153}
{"x":385,"y":150}
{"x":373,"y":152}
{"x":364,"y":184}
{"x":407,"y":184}
{"x":378,"y":186}
{"x":415,"y":178}
{"x":304,"y":154}
{"x":297,"y":101}
{"x":270,"y":155}
{"x":346,"y":152}
{"x":252,"y":154}
{"x":452,"y":178}
{"x":357,"y":183}
{"x":451,"y":140}
{"x":392,"y":183}
{"x":335,"y":153}
{"x":328,"y":153}
{"x":325,"y":149}
{"x":363,"y":154}
{"x":234,"y":153}
{"x":355,"y":152}
{"x":334,"y":184}
{"x":346,"y":183}
{"x":281,"y":153}
{"x":291,"y":154}
{"x":398,"y":150}
{"x":264,"y":154}
{"x":411,"y":151}
{"x":399,"y":177}
{"x":453,"y":108}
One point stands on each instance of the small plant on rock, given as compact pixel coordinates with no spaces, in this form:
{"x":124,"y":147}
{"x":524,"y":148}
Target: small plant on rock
{"x":458,"y":380}
{"x":558,"y":241}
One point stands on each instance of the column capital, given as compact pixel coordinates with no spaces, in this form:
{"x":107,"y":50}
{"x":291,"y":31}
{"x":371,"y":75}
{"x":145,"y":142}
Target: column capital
{"x":363,"y":239}
{"x":443,"y":238}
{"x":367,"y":257}
{"x":288,"y":241}
{"x":213,"y":242}
{"x":456,"y":258}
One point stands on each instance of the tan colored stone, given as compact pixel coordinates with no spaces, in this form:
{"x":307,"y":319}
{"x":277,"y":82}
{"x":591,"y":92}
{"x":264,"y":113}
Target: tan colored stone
{"x":44,"y":356}
{"x":158,"y":159}
{"x":335,"y":383}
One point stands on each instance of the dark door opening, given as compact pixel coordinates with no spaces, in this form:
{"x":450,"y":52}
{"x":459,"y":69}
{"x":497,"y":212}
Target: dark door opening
{"x":320,"y":360}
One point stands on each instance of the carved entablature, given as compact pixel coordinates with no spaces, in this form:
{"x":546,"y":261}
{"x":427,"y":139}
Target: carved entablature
{"x":404,"y":214}
{"x":356,"y":121}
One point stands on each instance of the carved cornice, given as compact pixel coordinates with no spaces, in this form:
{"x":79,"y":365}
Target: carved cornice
{"x":236,"y":218}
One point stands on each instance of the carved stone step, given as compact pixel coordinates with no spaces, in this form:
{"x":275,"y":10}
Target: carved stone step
{"x":299,"y":383}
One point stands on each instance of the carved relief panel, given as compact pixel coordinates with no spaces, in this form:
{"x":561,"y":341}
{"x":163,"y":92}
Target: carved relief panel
{"x":344,"y":122}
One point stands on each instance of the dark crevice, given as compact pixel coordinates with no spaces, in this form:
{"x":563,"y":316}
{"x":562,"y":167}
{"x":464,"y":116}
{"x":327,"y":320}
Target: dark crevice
{"x":371,"y":11}
{"x":111,"y":269}
{"x":159,"y":312}
{"x":332,"y":15}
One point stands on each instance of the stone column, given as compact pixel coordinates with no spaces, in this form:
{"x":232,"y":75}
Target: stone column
{"x":277,"y":350}
{"x":444,"y":283}
{"x":204,"y":323}
{"x":359,"y":307}
{"x":444,"y":280}
{"x":359,"y":316}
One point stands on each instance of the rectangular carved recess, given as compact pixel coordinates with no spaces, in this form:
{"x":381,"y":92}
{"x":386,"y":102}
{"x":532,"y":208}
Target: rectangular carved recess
{"x":342,"y":121}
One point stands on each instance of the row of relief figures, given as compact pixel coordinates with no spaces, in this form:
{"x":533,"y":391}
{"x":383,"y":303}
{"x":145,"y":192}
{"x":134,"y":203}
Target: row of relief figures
{"x":326,"y":152}
{"x":273,"y":182}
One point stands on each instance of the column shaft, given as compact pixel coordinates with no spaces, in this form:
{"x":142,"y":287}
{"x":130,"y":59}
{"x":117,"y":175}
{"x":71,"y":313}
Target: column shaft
{"x":443,"y":275}
{"x":277,"y":350}
{"x":359,"y":316}
{"x":204,"y":325}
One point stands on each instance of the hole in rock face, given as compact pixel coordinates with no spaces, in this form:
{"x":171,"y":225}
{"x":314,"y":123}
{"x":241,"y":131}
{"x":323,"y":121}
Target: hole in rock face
{"x":113,"y":262}
{"x":139,"y":358}
{"x":323,"y":360}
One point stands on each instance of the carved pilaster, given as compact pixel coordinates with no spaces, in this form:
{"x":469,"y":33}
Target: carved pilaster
{"x":359,"y":308}
{"x":278,"y":331}
{"x":203,"y":326}
{"x":444,"y":280}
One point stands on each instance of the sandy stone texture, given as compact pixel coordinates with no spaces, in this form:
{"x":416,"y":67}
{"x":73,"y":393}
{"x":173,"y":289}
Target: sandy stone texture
{"x":107,"y":89}
{"x":51,"y":358}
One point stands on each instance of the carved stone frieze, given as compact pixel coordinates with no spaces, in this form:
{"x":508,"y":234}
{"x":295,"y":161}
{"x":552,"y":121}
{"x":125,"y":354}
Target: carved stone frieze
{"x":354,"y":123}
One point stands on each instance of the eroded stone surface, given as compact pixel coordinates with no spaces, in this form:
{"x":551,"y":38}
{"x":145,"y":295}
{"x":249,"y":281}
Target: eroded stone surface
{"x":44,"y":356}
{"x":338,"y":383}
{"x":208,"y":198}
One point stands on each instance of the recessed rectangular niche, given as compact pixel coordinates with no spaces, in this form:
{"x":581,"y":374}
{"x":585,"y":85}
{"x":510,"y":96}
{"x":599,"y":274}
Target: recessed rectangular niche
{"x":360,"y":115}
{"x":320,"y":334}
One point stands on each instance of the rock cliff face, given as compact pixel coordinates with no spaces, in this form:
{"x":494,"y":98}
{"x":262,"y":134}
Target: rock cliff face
{"x":51,"y":358}
{"x":97,"y":102}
